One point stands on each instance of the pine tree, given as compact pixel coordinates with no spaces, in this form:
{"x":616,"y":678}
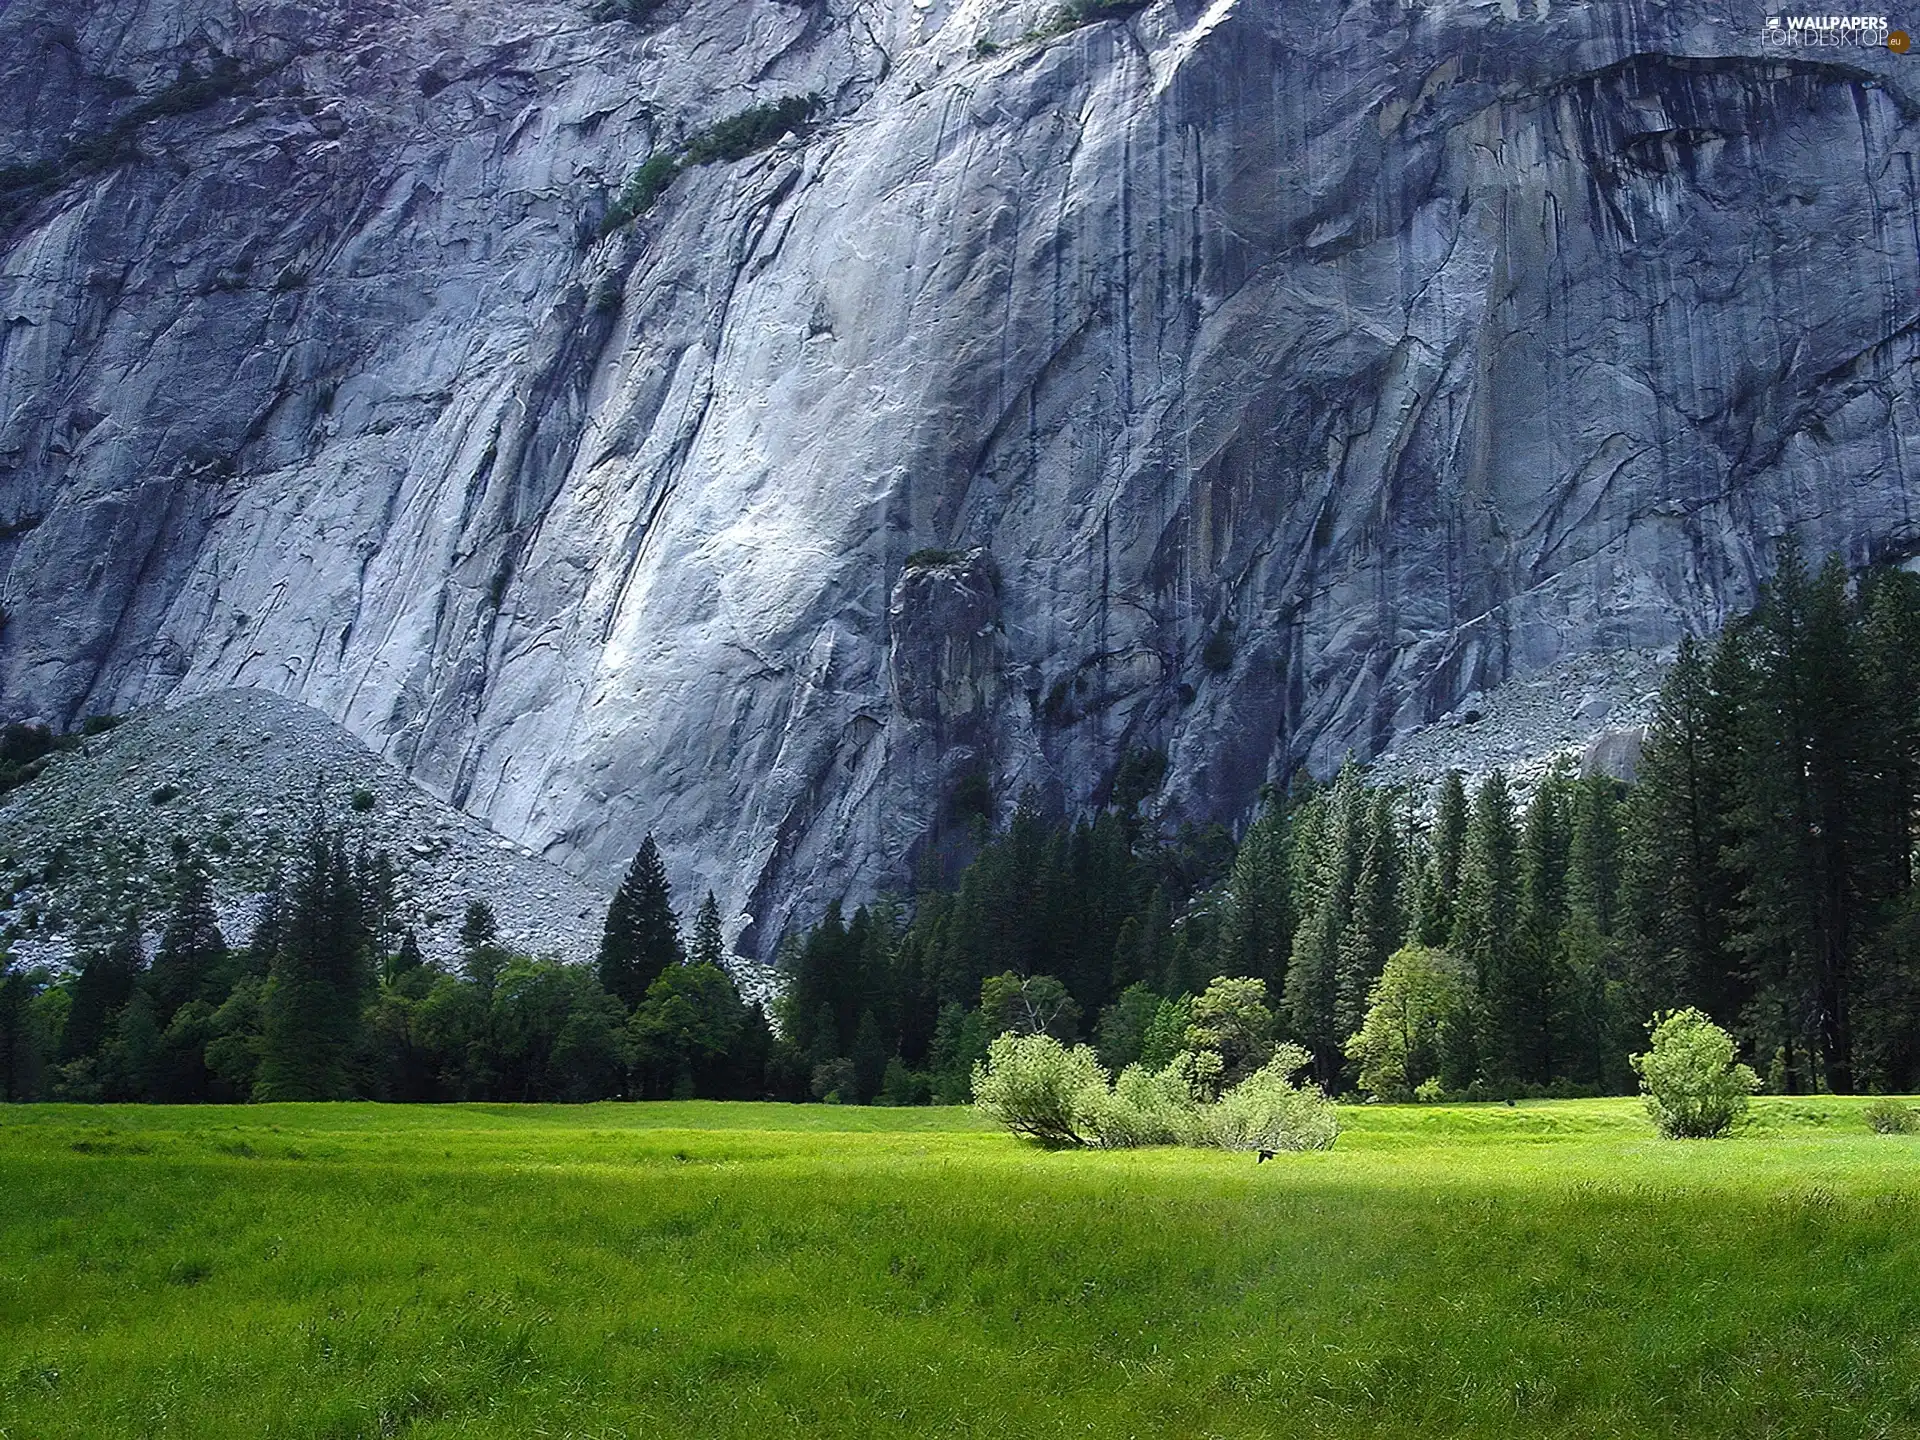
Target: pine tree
{"x":1312,"y":988}
{"x":318,"y":982}
{"x":1437,"y":888}
{"x":478,"y":926}
{"x":1256,"y":932}
{"x":869,"y":1057}
{"x":1483,"y":931}
{"x":708,"y":947}
{"x":642,"y":935}
{"x":1679,"y":882}
{"x":1375,"y":924}
{"x":22,"y":1051}
{"x":1801,"y":917}
{"x":102,"y":987}
{"x":1593,"y":851}
{"x":1535,"y":1009}
{"x":192,"y":952}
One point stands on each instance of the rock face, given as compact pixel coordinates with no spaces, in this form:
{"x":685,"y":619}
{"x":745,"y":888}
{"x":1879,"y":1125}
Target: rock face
{"x":1274,"y":373}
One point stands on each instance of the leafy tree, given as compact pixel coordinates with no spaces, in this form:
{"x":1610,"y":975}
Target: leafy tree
{"x":690,"y":1018}
{"x":642,"y":935}
{"x":557,"y":1033}
{"x":1231,"y":1020}
{"x":1166,"y":1036}
{"x":1122,"y":1031}
{"x":233,"y":1046}
{"x":1029,"y":1005}
{"x":959,"y":1042}
{"x":177,"y":1069}
{"x":453,"y":1023}
{"x":1399,"y":1045}
{"x":1038,"y":1087}
{"x":1267,"y":1111}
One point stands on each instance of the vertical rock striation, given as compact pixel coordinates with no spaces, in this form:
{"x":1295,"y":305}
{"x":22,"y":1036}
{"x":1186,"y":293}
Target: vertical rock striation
{"x":1267,"y":373}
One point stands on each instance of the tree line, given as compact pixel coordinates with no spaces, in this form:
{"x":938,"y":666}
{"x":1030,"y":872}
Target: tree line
{"x":1760,"y":869}
{"x":327,"y":1000}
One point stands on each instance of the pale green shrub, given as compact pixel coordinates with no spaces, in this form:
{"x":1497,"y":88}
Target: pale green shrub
{"x":1144,"y":1107}
{"x":1037,"y":1087}
{"x":1694,"y":1087}
{"x":1268,"y":1111}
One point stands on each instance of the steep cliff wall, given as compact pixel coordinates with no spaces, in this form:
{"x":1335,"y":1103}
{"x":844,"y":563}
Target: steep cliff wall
{"x":1295,"y":368}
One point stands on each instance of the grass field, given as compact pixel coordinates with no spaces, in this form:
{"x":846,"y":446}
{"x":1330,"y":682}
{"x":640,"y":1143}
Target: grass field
{"x":761,"y":1270}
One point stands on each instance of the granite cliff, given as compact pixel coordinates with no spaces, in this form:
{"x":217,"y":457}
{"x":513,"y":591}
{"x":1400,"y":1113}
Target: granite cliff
{"x":1248,"y":380}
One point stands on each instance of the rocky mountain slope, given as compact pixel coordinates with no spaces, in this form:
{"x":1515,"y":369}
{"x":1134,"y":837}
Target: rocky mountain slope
{"x":239,"y":774}
{"x":1250,"y":380}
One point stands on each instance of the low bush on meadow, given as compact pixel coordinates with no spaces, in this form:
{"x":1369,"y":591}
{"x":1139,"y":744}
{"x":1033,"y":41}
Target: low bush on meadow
{"x":1890,"y":1117}
{"x":1061,"y":1097}
{"x":1694,"y":1087}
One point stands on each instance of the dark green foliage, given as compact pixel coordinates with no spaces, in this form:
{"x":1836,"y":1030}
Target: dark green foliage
{"x":26,"y":1044}
{"x":931,"y":558}
{"x":645,"y":186}
{"x":684,"y":1030}
{"x":318,"y":980}
{"x":1761,"y":870}
{"x":1331,"y":831}
{"x":1375,"y":924}
{"x":25,"y":751}
{"x":101,"y":989}
{"x":21,"y":185}
{"x":972,"y":799}
{"x":750,"y":130}
{"x":191,"y":959}
{"x":1076,"y":13}
{"x":734,"y":138}
{"x":1257,"y":924}
{"x":633,"y":12}
{"x":642,"y":934}
{"x":708,"y":948}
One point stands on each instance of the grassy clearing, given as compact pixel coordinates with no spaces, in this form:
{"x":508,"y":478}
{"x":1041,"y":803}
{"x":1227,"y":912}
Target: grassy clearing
{"x":715,"y":1270}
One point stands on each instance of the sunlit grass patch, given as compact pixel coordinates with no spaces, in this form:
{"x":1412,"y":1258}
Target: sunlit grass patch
{"x":703,"y":1269}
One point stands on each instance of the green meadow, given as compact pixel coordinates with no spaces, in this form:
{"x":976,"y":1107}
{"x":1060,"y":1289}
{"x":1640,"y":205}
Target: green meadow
{"x":707,"y":1269}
